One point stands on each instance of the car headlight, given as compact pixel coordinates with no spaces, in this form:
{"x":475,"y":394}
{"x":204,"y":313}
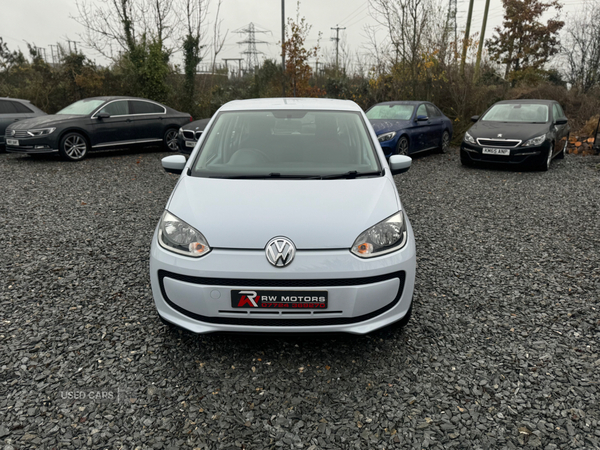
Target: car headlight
{"x":387,"y":236}
{"x":40,"y":131}
{"x":535,"y":141}
{"x":181,"y":132}
{"x":386,"y":136}
{"x":179,"y":237}
{"x":469,"y":138}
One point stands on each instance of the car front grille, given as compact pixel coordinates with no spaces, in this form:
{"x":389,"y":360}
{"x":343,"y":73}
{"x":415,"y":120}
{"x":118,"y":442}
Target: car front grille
{"x":18,"y":134}
{"x":188,"y":134}
{"x":485,"y":142}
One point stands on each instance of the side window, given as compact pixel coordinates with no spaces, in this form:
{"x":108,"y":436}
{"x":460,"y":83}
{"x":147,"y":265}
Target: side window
{"x":139,"y":107}
{"x":559,"y":110}
{"x":118,"y":108}
{"x":422,"y":111}
{"x":21,"y":108}
{"x":432,"y":111}
{"x":7,"y":107}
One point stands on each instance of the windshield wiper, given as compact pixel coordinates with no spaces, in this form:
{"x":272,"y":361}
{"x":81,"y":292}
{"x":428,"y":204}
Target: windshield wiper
{"x":269,"y":175}
{"x":351,"y":174}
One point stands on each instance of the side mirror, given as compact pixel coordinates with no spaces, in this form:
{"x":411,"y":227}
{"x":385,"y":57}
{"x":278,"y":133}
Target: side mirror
{"x":422,"y":118}
{"x":474,"y":118}
{"x":399,"y":164}
{"x":174,"y":164}
{"x":103,"y":116}
{"x":561,"y":121}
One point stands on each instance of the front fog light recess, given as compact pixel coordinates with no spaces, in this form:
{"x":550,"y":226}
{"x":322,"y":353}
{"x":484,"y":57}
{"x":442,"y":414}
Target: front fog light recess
{"x":179,"y":237}
{"x":387,"y":236}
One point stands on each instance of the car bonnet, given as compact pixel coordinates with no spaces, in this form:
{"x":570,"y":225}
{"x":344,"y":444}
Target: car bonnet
{"x":314,"y":214}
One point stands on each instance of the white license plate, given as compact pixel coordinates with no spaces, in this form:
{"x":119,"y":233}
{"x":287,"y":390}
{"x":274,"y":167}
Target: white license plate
{"x":190,"y":144}
{"x":496,"y":151}
{"x":12,"y":142}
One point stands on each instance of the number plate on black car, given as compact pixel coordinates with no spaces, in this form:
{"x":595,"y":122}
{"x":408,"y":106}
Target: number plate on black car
{"x":496,"y":151}
{"x":288,"y":300}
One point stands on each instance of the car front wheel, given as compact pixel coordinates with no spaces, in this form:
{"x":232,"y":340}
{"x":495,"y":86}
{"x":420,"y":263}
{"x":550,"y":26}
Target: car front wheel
{"x":445,"y":142}
{"x":402,"y":146}
{"x":170,"y":140}
{"x":563,"y":152}
{"x":73,"y":147}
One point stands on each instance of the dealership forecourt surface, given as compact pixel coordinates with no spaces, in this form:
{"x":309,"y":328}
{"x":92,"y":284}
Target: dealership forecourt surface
{"x":501,"y":350}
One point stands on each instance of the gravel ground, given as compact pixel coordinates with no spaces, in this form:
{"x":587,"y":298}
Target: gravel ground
{"x":502,"y":350}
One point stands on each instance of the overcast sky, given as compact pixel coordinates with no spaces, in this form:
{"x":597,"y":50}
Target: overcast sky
{"x":45,"y":22}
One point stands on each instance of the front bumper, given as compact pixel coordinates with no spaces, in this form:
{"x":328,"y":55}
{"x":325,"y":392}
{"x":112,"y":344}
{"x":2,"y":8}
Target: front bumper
{"x":518,"y":155}
{"x":363,"y":295}
{"x":185,"y":145}
{"x":34,"y":145}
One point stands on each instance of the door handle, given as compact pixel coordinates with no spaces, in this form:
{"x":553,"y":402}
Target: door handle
{"x":128,"y":120}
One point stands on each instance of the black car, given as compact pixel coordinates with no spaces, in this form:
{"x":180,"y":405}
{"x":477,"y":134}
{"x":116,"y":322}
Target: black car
{"x":97,"y":123}
{"x":189,"y":134}
{"x":14,"y":109}
{"x":523,"y":132}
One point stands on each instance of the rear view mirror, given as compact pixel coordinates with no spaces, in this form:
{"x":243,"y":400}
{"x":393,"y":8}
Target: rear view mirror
{"x":561,"y":121}
{"x":422,"y":118}
{"x":474,"y":118}
{"x":103,"y":116}
{"x":174,"y":164}
{"x":399,"y":164}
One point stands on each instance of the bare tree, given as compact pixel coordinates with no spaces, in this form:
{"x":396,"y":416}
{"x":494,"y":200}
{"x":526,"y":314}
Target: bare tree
{"x":113,"y":27}
{"x":582,"y":47}
{"x":218,"y":40}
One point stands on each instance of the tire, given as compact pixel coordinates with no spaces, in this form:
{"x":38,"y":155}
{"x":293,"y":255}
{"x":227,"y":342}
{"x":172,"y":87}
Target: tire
{"x":563,"y":152}
{"x":445,"y":142}
{"x":73,"y":147}
{"x":170,"y":140}
{"x":464,"y":159}
{"x":403,"y":144}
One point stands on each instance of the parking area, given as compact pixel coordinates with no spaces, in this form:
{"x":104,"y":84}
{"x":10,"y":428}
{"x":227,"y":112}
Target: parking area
{"x":501,"y":351}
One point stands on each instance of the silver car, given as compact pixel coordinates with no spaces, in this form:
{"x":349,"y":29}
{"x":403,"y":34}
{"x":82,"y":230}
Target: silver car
{"x":285,"y":218}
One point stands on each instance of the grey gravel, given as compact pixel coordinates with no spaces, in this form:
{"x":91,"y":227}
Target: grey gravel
{"x":502,"y":350}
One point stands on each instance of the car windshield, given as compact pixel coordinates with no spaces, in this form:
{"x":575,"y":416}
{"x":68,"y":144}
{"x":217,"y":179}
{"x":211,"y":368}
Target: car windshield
{"x":517,"y":112}
{"x":287,"y":144}
{"x":82,"y":107}
{"x":391,"y":112}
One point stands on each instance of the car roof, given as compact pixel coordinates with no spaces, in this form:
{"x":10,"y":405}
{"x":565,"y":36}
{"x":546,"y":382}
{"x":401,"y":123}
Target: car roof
{"x":15,"y":99}
{"x":403,"y":102}
{"x":529,"y":101}
{"x":107,"y":98}
{"x":291,"y":103}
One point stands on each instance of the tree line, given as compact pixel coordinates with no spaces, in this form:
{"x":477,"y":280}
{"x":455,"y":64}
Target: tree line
{"x":418,"y":59}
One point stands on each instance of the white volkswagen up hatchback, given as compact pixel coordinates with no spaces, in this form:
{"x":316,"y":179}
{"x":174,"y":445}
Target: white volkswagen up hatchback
{"x":286,"y":219}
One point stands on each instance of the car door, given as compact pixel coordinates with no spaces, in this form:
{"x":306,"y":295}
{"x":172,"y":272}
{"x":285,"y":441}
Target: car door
{"x":421,"y":129}
{"x":561,"y":131}
{"x":436,"y":124}
{"x":115,"y":129}
{"x":147,"y":120}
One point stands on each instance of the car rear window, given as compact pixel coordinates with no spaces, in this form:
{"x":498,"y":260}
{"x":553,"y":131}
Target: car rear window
{"x":139,"y":107}
{"x":390,"y":112}
{"x":21,"y":108}
{"x":7,"y":107}
{"x":287,"y":143}
{"x":517,"y":112}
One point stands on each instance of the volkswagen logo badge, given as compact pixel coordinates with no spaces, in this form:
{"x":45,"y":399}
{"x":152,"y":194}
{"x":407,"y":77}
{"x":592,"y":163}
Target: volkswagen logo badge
{"x":280,"y":251}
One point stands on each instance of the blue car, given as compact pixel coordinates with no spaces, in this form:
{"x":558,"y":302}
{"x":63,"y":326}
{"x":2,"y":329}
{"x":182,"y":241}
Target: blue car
{"x":405,"y":128}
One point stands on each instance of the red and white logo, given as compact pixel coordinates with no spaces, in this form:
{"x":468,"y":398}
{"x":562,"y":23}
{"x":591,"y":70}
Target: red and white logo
{"x":248,"y":297}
